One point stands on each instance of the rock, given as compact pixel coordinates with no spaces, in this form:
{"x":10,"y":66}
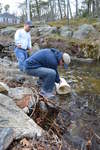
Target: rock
{"x":46,"y":30}
{"x":13,"y":117}
{"x":43,"y":30}
{"x":66,"y":32}
{"x":4,"y":88}
{"x":6,"y":137}
{"x":19,"y":92}
{"x":83,"y":31}
{"x":34,"y":48}
{"x":26,"y":110}
{"x":82,"y":60}
{"x":76,"y":141}
{"x":43,"y":106}
{"x":5,"y":62}
{"x":9,"y":31}
{"x":20,"y":79}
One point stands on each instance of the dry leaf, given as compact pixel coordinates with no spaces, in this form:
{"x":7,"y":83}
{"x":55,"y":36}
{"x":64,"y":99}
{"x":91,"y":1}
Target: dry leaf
{"x":25,"y":142}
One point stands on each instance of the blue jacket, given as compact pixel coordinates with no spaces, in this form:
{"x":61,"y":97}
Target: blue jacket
{"x":48,"y":58}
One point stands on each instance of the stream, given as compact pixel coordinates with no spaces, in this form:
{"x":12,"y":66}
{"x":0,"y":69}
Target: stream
{"x":83,"y":104}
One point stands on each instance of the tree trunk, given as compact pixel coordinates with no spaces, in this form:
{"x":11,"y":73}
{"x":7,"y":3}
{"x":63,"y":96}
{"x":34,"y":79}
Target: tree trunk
{"x":38,"y":10}
{"x":28,"y":9}
{"x":59,"y":5}
{"x":52,"y":12}
{"x":68,"y":11}
{"x":76,"y":8}
{"x":97,"y":8}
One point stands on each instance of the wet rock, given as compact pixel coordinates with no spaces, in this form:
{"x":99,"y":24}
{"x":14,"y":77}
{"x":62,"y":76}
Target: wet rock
{"x":83,"y":31}
{"x":63,"y":120}
{"x":6,"y":137}
{"x":66,"y":32}
{"x":13,"y":117}
{"x":76,"y":141}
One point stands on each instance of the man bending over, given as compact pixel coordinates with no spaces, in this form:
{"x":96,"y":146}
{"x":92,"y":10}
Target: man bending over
{"x":43,"y":64}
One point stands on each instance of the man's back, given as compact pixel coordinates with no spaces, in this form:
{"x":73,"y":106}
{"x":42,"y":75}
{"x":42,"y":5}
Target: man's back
{"x":48,"y":58}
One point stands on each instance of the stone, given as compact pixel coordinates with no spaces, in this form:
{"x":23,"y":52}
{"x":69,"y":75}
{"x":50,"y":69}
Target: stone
{"x":43,"y":106}
{"x":83,"y":31}
{"x":46,"y":30}
{"x":19,"y":92}
{"x":76,"y":141}
{"x":43,"y":30}
{"x":6,"y":137}
{"x":82,"y":60}
{"x":66,"y":32}
{"x":3,"y":88}
{"x":11,"y":116}
{"x":9,"y":31}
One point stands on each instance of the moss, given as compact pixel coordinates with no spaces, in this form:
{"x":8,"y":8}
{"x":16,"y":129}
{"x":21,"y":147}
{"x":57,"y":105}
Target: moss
{"x":73,"y":22}
{"x":15,"y":26}
{"x":87,"y":48}
{"x":95,"y":84}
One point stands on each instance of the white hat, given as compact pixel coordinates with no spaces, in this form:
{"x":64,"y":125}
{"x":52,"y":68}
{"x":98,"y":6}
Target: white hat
{"x":66,"y":58}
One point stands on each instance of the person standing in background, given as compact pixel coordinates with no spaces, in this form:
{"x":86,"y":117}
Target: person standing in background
{"x":23,"y":43}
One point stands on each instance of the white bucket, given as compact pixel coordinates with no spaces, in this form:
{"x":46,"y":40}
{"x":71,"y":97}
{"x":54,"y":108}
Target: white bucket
{"x":63,"y":87}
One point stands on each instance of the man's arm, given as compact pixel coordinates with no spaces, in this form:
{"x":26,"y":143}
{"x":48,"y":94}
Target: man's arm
{"x":29,"y":43}
{"x":17,"y":39}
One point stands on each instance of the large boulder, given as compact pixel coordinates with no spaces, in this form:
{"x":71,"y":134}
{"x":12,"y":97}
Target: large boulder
{"x":13,"y":117}
{"x":6,"y":137}
{"x":66,"y":32}
{"x":83,"y":31}
{"x":43,"y":30}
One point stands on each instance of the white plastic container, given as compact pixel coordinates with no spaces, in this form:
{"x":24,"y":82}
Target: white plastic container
{"x":63,"y":87}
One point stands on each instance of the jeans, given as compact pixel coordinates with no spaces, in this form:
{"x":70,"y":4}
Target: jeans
{"x":21,"y":56}
{"x":48,"y":77}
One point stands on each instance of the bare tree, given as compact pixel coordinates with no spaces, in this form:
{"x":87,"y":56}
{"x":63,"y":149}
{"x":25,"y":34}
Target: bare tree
{"x":0,"y":8}
{"x":59,"y":5}
{"x":76,"y":8}
{"x":6,"y":7}
{"x":28,"y":9}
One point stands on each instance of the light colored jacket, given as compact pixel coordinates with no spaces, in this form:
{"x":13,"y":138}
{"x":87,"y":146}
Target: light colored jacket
{"x":23,"y":38}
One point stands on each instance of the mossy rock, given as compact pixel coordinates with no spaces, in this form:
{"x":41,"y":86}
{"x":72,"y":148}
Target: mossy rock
{"x":73,"y":22}
{"x":81,"y":48}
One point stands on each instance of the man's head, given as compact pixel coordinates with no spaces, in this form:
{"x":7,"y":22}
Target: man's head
{"x":65,"y":60}
{"x":27,"y":26}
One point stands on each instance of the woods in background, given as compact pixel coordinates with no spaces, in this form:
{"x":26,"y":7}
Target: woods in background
{"x":51,"y":10}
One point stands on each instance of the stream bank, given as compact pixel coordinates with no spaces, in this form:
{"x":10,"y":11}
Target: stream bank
{"x":74,"y":121}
